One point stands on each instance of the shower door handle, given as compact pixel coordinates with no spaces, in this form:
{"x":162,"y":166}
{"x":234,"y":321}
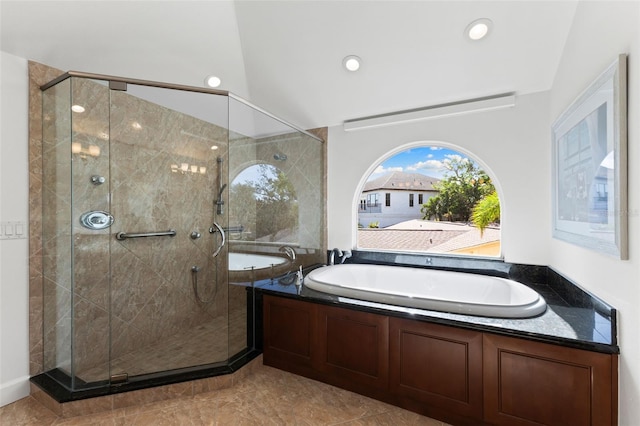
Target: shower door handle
{"x":217,"y":228}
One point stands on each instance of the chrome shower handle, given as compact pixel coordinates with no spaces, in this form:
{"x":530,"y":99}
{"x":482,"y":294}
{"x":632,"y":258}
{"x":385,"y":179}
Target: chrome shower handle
{"x":217,"y":228}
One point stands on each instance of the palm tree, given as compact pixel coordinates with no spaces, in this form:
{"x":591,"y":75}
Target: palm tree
{"x":486,"y":211}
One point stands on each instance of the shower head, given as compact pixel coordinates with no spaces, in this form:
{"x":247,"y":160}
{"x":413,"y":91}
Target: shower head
{"x":280,"y":157}
{"x":220,"y":191}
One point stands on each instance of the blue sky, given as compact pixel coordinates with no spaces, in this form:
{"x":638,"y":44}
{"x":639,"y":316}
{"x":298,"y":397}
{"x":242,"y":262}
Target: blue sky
{"x":253,"y":174}
{"x":424,"y":160}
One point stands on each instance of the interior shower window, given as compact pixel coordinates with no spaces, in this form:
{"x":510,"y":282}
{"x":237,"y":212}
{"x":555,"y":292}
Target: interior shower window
{"x":267,"y":205}
{"x":458,"y":210}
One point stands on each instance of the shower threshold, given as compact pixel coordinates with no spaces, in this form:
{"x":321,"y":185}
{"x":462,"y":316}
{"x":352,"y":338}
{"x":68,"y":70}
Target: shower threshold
{"x":180,"y":358}
{"x":57,"y":384}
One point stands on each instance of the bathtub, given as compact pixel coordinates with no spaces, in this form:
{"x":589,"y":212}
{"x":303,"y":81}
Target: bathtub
{"x":431,"y":289}
{"x":246,"y":261}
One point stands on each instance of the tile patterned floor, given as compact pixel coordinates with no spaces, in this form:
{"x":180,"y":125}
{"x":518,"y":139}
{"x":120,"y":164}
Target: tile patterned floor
{"x":206,"y":343}
{"x":266,"y":397}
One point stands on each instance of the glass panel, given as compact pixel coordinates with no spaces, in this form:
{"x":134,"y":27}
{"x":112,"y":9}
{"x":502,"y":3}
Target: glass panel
{"x":90,"y":195}
{"x":169,"y":294}
{"x":276,"y":207}
{"x":56,"y":234}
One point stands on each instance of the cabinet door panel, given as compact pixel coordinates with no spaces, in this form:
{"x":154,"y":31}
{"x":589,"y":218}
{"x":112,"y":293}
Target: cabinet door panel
{"x":353,"y":347}
{"x":530,"y":383}
{"x":439,"y":366}
{"x":289,"y":327}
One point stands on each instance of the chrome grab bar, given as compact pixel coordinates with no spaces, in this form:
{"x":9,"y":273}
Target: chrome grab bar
{"x":218,"y":228}
{"x":124,"y":235}
{"x":234,"y":229}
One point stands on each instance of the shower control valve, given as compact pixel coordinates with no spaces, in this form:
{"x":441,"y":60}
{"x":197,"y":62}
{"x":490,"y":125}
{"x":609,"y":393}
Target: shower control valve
{"x":96,"y":220}
{"x":97,"y":180}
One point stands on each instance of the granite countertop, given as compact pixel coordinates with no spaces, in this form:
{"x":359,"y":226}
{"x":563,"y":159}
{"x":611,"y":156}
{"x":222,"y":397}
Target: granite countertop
{"x":573,"y":318}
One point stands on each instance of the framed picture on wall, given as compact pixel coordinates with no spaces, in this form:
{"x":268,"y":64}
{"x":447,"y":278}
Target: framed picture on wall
{"x":590,"y":166}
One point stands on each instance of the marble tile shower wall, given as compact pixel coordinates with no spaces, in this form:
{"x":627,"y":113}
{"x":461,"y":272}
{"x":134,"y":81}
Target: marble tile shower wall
{"x":151,"y":289}
{"x":304,"y":170}
{"x":152,"y":294}
{"x":57,"y":238}
{"x":39,"y":74}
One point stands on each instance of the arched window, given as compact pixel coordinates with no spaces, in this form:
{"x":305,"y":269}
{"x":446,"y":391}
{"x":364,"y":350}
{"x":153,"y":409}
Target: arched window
{"x":430,"y":199}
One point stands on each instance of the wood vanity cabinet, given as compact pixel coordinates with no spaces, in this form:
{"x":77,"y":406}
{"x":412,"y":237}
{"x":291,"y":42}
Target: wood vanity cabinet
{"x":456,"y":375}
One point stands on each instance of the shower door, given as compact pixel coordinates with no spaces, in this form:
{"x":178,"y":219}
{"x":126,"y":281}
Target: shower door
{"x":169,"y":307}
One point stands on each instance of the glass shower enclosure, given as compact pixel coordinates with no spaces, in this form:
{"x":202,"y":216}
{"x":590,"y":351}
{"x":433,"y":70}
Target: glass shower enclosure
{"x":163,"y":206}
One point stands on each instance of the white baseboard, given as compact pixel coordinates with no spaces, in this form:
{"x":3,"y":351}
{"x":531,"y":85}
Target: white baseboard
{"x":14,"y":390}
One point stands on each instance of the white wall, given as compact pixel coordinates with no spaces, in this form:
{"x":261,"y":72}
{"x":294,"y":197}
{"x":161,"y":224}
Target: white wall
{"x":14,"y":190}
{"x":398,"y":211}
{"x":512,"y":145}
{"x":602,"y":30}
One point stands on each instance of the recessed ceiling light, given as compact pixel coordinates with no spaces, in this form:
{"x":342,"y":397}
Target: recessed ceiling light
{"x":478,"y":29}
{"x":77,"y":108}
{"x":351,"y":63}
{"x":212,"y":81}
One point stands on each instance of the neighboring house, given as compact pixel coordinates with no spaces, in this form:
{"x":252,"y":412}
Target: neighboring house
{"x":394,"y":198}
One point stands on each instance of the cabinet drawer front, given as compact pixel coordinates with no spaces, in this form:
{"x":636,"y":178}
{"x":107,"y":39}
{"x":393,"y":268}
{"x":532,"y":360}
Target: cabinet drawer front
{"x":529,"y":383}
{"x":437,"y":365}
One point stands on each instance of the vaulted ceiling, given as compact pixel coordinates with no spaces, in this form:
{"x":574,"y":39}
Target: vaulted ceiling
{"x":286,"y":56}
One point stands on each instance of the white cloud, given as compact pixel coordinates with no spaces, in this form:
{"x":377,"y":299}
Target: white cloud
{"x":430,"y":165}
{"x":380,"y":170}
{"x":454,"y":157}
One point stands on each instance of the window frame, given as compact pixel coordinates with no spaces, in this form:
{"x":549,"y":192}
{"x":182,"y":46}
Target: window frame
{"x":432,"y":145}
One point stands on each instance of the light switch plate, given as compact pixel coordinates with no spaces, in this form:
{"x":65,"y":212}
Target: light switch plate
{"x":13,"y":230}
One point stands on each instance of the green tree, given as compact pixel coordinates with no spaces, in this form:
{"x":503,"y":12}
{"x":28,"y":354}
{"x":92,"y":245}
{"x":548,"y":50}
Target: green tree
{"x":277,"y":205}
{"x":486,"y":211}
{"x":242,"y":206}
{"x":266,"y":206}
{"x":464,"y":184}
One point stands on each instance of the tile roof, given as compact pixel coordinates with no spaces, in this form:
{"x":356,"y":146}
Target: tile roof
{"x":402,"y":181}
{"x":432,"y":237}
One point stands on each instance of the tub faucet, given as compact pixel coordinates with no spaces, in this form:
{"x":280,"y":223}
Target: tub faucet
{"x":289,"y":251}
{"x":332,"y":256}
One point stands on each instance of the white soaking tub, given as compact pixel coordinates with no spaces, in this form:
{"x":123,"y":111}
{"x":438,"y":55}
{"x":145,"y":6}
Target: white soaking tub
{"x":432,"y":289}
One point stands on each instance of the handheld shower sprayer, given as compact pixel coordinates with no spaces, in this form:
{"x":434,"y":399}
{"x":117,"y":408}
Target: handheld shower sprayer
{"x":221,"y":189}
